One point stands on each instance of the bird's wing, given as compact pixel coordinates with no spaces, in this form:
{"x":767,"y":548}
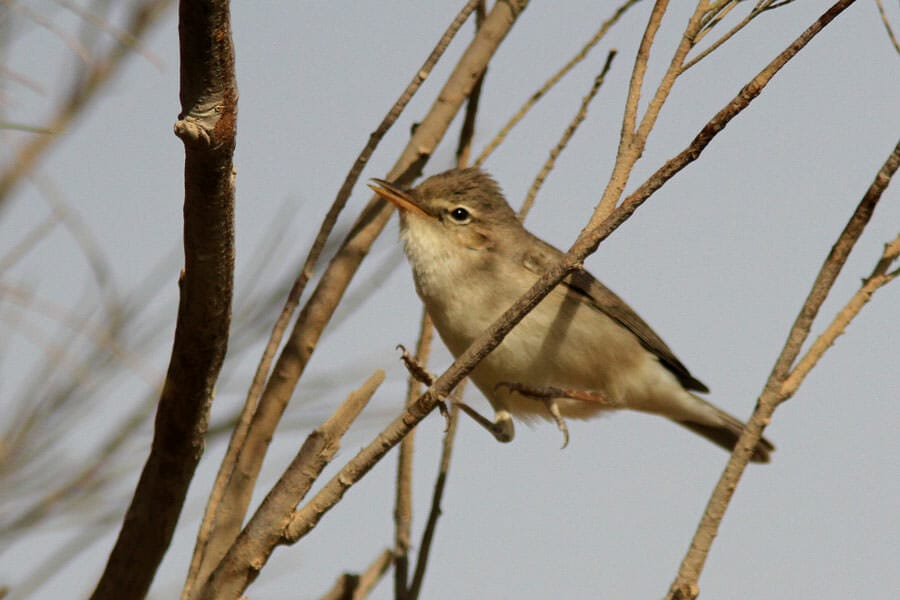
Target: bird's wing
{"x":606,"y":301}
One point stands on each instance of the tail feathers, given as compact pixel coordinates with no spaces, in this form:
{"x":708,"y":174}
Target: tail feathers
{"x":726,"y":437}
{"x":726,"y":433}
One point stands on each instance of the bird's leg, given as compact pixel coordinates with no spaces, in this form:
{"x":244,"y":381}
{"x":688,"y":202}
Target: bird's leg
{"x":501,"y":427}
{"x":422,"y":375}
{"x":549,"y":391}
{"x":549,"y":395}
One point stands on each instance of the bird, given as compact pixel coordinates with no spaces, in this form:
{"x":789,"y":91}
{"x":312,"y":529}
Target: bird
{"x":581,"y":352}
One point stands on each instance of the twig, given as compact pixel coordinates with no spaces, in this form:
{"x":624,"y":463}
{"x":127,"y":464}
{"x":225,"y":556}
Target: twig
{"x":566,"y":137}
{"x":308,"y":516}
{"x":350,"y":586}
{"x":207,"y":127}
{"x":887,"y":26}
{"x":87,"y":87}
{"x":436,"y":497}
{"x":757,"y":10}
{"x":879,"y":278}
{"x":403,"y":499}
{"x":554,"y":79}
{"x":252,"y":548}
{"x":231,"y":492}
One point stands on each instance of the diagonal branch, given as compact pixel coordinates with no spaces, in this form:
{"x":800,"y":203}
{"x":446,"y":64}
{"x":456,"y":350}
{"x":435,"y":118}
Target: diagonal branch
{"x":308,"y":516}
{"x":249,"y":553}
{"x":228,"y":500}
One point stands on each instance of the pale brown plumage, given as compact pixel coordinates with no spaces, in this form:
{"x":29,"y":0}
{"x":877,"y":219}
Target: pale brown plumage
{"x":472,"y":259}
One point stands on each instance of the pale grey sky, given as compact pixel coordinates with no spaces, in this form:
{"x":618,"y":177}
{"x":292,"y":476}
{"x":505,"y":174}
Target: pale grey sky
{"x":718,"y":262}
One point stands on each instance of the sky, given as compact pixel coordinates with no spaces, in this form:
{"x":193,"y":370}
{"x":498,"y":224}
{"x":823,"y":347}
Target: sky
{"x":718,"y":262}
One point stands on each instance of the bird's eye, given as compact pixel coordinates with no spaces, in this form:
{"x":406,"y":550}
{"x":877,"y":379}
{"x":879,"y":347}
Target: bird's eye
{"x":459,"y":214}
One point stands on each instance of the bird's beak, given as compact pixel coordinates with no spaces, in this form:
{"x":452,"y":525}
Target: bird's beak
{"x":400,"y":198}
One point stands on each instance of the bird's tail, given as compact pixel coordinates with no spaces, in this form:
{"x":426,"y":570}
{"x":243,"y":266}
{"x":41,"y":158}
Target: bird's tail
{"x":726,"y":432}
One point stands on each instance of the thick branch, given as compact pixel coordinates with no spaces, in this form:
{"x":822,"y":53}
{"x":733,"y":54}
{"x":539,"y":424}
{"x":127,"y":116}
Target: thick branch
{"x":207,"y":126}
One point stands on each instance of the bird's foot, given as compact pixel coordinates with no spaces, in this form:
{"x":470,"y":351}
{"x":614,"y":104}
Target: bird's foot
{"x":548,"y":395}
{"x":501,"y":427}
{"x":418,"y":372}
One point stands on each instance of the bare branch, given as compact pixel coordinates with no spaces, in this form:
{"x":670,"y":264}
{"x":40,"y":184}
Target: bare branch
{"x":565,"y":137}
{"x":92,"y":81}
{"x":436,"y":497}
{"x":207,"y":127}
{"x":554,"y":79}
{"x":350,"y":586}
{"x":403,"y":499}
{"x":879,"y":278}
{"x":887,"y":26}
{"x":685,"y":584}
{"x":249,"y":553}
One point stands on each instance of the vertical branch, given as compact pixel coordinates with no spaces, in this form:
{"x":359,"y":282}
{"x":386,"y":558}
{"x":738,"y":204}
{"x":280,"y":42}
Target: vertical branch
{"x":207,"y":126}
{"x":403,"y":501}
{"x":436,"y":498}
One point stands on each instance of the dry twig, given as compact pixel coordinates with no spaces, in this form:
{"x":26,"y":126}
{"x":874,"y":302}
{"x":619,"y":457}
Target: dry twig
{"x":565,"y":137}
{"x":552,"y":81}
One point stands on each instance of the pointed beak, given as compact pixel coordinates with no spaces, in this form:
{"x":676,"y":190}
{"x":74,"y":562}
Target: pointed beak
{"x":401,"y":198}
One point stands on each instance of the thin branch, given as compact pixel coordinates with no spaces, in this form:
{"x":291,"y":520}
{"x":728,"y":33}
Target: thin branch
{"x":86,"y":89}
{"x":308,"y":516}
{"x":372,"y":575}
{"x":565,"y":137}
{"x":231,"y":492}
{"x":436,"y":497}
{"x":554,"y":79}
{"x":207,"y":127}
{"x":685,"y":584}
{"x":757,"y":10}
{"x":252,"y":548}
{"x":633,"y":138}
{"x":403,"y":498}
{"x":887,"y":26}
{"x":350,"y":586}
{"x":878,"y":279}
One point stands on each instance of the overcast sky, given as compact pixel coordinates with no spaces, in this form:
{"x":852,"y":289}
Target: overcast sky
{"x":718,"y":262}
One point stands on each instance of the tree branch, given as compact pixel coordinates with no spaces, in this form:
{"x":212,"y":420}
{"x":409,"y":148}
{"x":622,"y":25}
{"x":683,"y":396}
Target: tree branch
{"x":250,"y":552}
{"x":207,"y":126}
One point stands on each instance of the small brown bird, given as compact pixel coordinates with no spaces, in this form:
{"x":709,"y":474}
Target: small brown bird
{"x":581,"y":351}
